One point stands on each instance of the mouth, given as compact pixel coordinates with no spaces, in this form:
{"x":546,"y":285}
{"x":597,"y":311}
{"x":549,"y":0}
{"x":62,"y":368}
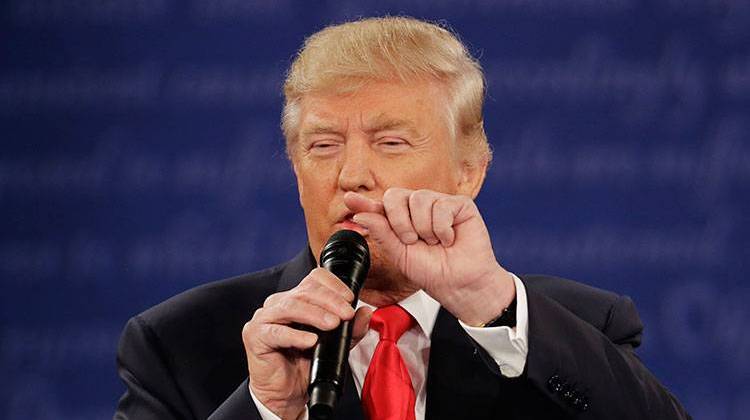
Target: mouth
{"x":347,"y":222}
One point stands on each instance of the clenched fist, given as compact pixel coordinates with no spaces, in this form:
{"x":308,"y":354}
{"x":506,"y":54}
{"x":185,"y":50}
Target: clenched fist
{"x":440,"y":243}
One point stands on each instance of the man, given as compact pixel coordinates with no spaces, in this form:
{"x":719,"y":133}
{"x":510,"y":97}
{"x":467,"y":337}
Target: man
{"x":383,"y":122}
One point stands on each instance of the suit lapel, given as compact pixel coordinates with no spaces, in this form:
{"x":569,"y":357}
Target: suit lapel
{"x":296,"y":270}
{"x":459,"y":385}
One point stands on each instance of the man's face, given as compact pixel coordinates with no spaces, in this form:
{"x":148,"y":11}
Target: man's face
{"x":384,"y":135}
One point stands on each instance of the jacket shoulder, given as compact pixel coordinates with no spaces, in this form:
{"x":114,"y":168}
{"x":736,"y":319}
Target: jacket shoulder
{"x":205,"y":323}
{"x":194,"y":339}
{"x":594,"y":305}
{"x":216,"y":301}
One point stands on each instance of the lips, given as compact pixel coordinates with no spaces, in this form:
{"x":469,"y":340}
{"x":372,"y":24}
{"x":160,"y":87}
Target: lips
{"x":346,"y":222}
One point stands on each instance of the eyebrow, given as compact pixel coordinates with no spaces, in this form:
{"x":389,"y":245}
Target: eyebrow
{"x":384,"y":123}
{"x":381,"y":122}
{"x":321,"y":129}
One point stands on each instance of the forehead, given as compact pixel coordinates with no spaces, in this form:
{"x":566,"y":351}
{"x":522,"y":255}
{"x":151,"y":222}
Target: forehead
{"x":376,"y":105}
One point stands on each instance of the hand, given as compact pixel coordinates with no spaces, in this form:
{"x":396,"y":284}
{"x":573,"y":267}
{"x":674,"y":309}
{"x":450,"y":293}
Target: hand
{"x":278,"y":356}
{"x":441,"y":244}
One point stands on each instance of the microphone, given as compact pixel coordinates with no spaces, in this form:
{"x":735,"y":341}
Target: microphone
{"x":347,"y":256}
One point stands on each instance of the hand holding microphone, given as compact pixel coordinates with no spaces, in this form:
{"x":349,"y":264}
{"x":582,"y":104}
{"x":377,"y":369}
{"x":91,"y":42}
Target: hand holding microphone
{"x":279,"y":352}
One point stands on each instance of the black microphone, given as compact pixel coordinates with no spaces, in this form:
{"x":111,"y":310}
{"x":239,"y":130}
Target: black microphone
{"x":347,"y":256}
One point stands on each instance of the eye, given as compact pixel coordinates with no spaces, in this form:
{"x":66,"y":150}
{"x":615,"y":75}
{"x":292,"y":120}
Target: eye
{"x":392,"y":143}
{"x":324,"y":147}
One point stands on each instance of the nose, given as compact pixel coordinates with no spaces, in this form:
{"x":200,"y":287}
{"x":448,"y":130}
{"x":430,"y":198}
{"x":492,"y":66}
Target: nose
{"x":356,"y":169}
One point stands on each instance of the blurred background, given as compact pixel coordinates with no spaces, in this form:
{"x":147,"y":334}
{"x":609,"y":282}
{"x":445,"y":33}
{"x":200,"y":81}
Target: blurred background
{"x":141,"y":156}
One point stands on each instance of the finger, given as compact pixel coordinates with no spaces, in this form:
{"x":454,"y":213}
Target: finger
{"x":396,"y":205}
{"x":381,"y":233}
{"x":322,"y":296}
{"x":361,"y":324}
{"x":420,"y":208}
{"x":321,"y":281}
{"x":277,"y":336}
{"x":298,"y":311}
{"x":321,"y":276}
{"x":359,"y":203}
{"x":443,"y":215}
{"x":272,"y":299}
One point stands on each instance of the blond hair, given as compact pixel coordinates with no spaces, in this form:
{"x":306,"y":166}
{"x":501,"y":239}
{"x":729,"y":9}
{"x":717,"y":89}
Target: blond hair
{"x":342,"y":58}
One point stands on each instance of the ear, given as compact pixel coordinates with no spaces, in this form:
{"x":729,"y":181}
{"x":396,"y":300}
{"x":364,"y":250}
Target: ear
{"x":472,"y":175}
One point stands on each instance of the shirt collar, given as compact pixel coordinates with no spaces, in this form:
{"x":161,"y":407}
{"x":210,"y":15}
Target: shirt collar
{"x":421,"y":306}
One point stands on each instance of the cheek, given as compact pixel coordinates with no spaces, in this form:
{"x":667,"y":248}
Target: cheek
{"x":315,"y":194}
{"x":312,"y":179}
{"x":315,"y":184}
{"x":424,"y":173}
{"x":308,"y":196}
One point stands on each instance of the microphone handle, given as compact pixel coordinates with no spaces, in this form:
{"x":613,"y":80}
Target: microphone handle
{"x":329,"y":369}
{"x":347,"y":257}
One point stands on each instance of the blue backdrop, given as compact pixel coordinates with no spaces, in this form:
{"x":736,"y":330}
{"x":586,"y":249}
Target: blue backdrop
{"x":141,"y":156}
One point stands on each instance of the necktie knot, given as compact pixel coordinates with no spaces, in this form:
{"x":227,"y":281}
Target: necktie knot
{"x":391,"y":322}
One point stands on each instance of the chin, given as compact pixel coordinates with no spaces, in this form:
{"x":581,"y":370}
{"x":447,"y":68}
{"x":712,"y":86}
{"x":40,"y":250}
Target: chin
{"x":383,"y":275}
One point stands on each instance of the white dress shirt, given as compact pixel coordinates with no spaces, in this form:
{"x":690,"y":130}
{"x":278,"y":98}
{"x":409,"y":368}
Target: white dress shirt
{"x":507,"y":346}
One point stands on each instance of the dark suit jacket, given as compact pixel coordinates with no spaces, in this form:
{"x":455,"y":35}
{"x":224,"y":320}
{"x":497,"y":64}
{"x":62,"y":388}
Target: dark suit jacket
{"x":184,"y":358}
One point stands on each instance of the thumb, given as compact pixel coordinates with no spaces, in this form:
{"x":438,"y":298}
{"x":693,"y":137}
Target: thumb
{"x":380,"y":232}
{"x":361,"y":324}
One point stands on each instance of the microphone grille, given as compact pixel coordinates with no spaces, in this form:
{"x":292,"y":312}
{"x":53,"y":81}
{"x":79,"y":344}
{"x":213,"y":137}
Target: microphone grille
{"x":346,"y":244}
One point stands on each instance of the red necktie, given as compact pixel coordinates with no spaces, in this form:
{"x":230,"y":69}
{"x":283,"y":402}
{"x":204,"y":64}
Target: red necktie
{"x":388,"y":393}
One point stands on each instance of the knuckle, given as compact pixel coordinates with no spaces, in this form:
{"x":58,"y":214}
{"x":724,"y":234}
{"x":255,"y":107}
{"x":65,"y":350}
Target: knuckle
{"x":348,"y":311}
{"x":420,"y":196}
{"x":348,"y":295}
{"x":249,"y":341}
{"x":324,"y":275}
{"x":393,"y":194}
{"x":388,"y":196}
{"x":415,"y":199}
{"x":402,"y":228}
{"x":463,"y":199}
{"x":443,"y":202}
{"x":247,"y":330}
{"x":317,"y":277}
{"x":442,"y":208}
{"x":302,"y":290}
{"x":273,"y":331}
{"x":309,"y":278}
{"x":328,"y":281}
{"x":286,"y":305}
{"x":256,"y":316}
{"x":271,"y":299}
